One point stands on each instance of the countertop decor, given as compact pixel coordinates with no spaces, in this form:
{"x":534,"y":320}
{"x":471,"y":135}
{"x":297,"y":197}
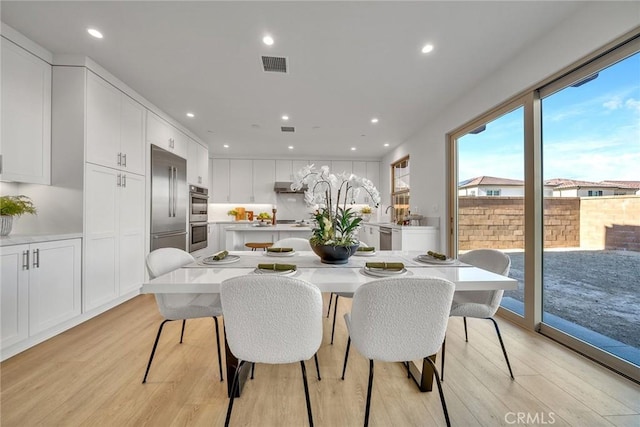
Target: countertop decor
{"x":337,"y":224}
{"x":13,"y":206}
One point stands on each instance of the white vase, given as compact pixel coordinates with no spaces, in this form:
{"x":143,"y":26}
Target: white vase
{"x":6,"y":222}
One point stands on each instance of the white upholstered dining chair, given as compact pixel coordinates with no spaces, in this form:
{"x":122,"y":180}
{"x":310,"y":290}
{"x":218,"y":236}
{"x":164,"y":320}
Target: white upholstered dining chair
{"x":481,"y":304}
{"x":180,"y":306}
{"x":297,"y":243}
{"x":271,"y":319}
{"x":399,"y":319}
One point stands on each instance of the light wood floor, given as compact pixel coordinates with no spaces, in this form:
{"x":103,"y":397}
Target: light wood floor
{"x":91,"y":376}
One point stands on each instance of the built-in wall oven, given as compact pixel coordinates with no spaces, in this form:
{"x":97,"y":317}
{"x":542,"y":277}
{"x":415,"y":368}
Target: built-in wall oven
{"x":198,"y":216}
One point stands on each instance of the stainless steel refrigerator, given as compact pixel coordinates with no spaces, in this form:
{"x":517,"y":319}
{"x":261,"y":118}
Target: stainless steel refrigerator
{"x":169,"y":198}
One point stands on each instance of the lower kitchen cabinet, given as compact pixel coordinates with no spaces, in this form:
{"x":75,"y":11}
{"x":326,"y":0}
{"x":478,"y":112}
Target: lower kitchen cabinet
{"x":114,"y":233}
{"x":40,"y":288}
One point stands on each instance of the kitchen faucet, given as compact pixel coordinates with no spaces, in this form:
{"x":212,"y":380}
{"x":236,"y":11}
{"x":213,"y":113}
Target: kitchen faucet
{"x":386,"y":211}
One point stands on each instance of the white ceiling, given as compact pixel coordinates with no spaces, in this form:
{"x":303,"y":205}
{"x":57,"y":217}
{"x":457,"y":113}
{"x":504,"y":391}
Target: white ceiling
{"x":349,"y":62}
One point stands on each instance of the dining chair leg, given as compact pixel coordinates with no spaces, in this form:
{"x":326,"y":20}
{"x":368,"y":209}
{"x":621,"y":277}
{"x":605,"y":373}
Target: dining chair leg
{"x":234,"y":387}
{"x":504,"y":350}
{"x":335,"y":313}
{"x":369,"y":388}
{"x":330,"y":299}
{"x":444,"y":404}
{"x":153,"y":351}
{"x":253,"y":367}
{"x":315,"y":357}
{"x":184,"y":322}
{"x":306,"y":392}
{"x":466,"y":336}
{"x":346,"y":357}
{"x":218,"y":345}
{"x":444,"y":343}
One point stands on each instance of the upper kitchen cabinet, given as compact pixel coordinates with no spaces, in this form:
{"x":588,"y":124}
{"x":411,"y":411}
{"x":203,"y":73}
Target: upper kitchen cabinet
{"x":26,"y":116}
{"x":219,"y":188}
{"x":371,"y":171}
{"x":162,"y":134}
{"x":284,"y":171}
{"x":115,"y":127}
{"x":241,"y":181}
{"x":264,"y":172}
{"x":198,"y":164}
{"x":338,"y":166}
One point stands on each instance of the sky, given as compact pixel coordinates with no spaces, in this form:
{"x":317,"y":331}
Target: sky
{"x":589,"y":133}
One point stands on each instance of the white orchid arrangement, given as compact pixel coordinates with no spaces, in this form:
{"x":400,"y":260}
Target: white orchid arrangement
{"x":329,"y":194}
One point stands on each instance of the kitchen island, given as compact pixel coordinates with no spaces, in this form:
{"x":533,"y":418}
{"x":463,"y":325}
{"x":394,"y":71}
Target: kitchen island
{"x":238,"y":235}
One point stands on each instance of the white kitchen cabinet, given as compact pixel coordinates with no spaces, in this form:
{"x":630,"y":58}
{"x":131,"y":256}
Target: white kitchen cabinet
{"x":296,"y":165}
{"x":415,"y":239}
{"x":240,"y":180}
{"x":284,"y":171}
{"x":114,"y":234}
{"x":339,"y":166}
{"x":198,"y":164}
{"x":264,"y":172}
{"x":370,"y":234}
{"x":115,"y":127}
{"x":25,"y":154}
{"x":41,"y":288}
{"x":14,"y":295}
{"x":163,"y":135}
{"x":219,"y":188}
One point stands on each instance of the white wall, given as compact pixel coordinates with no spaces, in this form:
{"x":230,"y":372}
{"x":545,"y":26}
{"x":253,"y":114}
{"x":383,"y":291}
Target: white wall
{"x":590,"y":28}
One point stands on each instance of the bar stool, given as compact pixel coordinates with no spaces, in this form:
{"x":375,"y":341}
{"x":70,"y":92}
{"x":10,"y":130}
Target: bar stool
{"x":258,"y":245}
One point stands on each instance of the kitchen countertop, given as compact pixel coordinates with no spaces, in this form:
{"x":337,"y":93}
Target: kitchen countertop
{"x":25,"y":239}
{"x":277,"y":227}
{"x":400,"y":227}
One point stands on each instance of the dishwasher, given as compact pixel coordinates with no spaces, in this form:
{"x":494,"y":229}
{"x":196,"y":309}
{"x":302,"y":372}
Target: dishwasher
{"x":385,"y":239}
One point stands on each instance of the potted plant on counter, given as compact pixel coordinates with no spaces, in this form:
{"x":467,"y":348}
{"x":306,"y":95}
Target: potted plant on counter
{"x":13,"y":206}
{"x":333,"y":239}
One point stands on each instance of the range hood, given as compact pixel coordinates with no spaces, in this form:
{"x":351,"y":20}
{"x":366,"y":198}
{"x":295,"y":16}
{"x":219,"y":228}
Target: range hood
{"x":285,"y":187}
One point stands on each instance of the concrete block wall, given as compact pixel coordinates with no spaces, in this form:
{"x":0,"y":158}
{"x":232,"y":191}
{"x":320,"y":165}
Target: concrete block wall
{"x":611,"y":222}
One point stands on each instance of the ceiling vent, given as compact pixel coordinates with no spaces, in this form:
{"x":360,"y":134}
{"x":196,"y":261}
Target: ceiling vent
{"x":274,"y":64}
{"x":287,"y":129}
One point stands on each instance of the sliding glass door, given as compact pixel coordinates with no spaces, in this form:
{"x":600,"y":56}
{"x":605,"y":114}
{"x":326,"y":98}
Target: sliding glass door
{"x":490,"y":194}
{"x":552,"y":178}
{"x":591,"y":258}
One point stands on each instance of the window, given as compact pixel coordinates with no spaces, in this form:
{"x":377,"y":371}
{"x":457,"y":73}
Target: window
{"x":595,"y":192}
{"x":400,"y":186}
{"x":493,"y":192}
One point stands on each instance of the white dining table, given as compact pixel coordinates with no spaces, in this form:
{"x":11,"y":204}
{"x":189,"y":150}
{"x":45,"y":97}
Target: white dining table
{"x":199,"y":277}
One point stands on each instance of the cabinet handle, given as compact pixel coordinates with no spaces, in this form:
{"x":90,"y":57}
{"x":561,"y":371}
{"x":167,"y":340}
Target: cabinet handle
{"x":36,"y":258}
{"x":199,"y":180}
{"x":124,"y":180}
{"x":124,"y":160}
{"x":25,"y":260}
{"x":0,"y":163}
{"x":119,"y":180}
{"x":119,"y":159}
{"x":171,"y":142}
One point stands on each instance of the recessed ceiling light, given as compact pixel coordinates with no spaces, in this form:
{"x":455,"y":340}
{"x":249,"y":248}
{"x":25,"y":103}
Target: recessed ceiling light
{"x":210,"y":131}
{"x":427,"y":48}
{"x":268,"y":40}
{"x":374,"y":120}
{"x":285,"y":117}
{"x":353,"y":148}
{"x":95,"y":33}
{"x":226,"y":145}
{"x":291,"y":147}
{"x":191,"y":115}
{"x":386,"y":144}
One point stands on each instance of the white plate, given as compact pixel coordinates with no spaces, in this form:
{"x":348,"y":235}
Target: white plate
{"x":365,"y":253}
{"x":379,"y":272}
{"x":279,"y":254}
{"x":275,"y":272}
{"x":229,"y":259}
{"x":428,"y":259}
